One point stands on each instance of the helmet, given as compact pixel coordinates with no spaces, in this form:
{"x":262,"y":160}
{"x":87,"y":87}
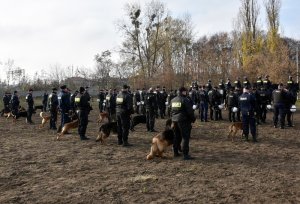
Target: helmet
{"x":293,"y":109}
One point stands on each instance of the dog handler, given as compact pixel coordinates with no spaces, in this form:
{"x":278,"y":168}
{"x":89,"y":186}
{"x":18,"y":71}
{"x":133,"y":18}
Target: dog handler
{"x":83,"y":105}
{"x":182,"y":117}
{"x":53,"y":107}
{"x":30,"y":103}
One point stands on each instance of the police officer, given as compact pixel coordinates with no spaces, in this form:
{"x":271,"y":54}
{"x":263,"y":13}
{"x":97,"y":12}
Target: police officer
{"x":259,"y":83}
{"x":45,"y":100}
{"x":232,"y":100}
{"x":246,"y":83}
{"x":193,"y":95}
{"x":290,"y":100}
{"x":279,"y":97}
{"x":64,"y":105}
{"x":171,"y":95}
{"x":112,"y":105}
{"x":203,"y":104}
{"x":215,"y":99}
{"x":267,"y":83}
{"x":137,"y":100}
{"x":6,"y":100}
{"x":101,"y":98}
{"x":15,"y":103}
{"x":247,"y":106}
{"x":143,"y":94}
{"x":30,"y":104}
{"x":82,"y":101}
{"x":72,"y":101}
{"x":182,"y":117}
{"x":162,"y":102}
{"x":151,"y":107}
{"x":208,"y":85}
{"x":53,"y":107}
{"x":124,"y":109}
{"x":238,"y":92}
{"x":237,"y":83}
{"x":263,"y":99}
{"x":228,"y":85}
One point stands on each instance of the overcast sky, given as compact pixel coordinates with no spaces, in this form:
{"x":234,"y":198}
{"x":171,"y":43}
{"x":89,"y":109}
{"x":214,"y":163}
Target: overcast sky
{"x":40,"y":33}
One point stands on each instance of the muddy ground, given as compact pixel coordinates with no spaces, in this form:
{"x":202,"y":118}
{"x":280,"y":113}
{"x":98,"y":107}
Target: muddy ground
{"x":35,"y":168}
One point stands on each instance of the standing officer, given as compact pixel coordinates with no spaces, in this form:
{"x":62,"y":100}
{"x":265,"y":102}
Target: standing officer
{"x":182,"y":117}
{"x":228,"y":85}
{"x":237,"y":83}
{"x":45,"y":100}
{"x":72,"y":101}
{"x":279,"y":97}
{"x":232,"y":100}
{"x":208,"y":85}
{"x":246,"y":83}
{"x":215,"y":99}
{"x":64,"y":105}
{"x":247,"y":106}
{"x":151,"y":107}
{"x":101,"y":98}
{"x":30,"y":103}
{"x":112,"y":105}
{"x":238,"y":92}
{"x":171,"y":95}
{"x":15,"y":102}
{"x":6,"y":100}
{"x":203,"y":104}
{"x":124,"y":109}
{"x":83,"y":106}
{"x":137,"y":100}
{"x":263,"y":99}
{"x":53,"y":106}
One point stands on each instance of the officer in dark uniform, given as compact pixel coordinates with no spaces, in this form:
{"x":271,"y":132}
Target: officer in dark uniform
{"x":30,"y":104}
{"x":228,"y":85}
{"x":45,"y":100}
{"x":143,"y":98}
{"x":137,"y":100}
{"x":64,"y":105}
{"x":208,"y":85}
{"x":171,"y":95}
{"x":237,"y":83}
{"x":82,"y":101}
{"x":6,"y":99}
{"x":15,"y":103}
{"x":267,"y":83}
{"x":290,"y":100}
{"x":238,"y":92}
{"x":259,"y":83}
{"x":158,"y":99}
{"x":53,"y":107}
{"x":151,"y":107}
{"x":182,"y":117}
{"x":232,"y":100}
{"x":247,"y":106}
{"x":163,"y":101}
{"x":246,"y":83}
{"x":279,"y":97}
{"x":72,"y":101}
{"x":193,"y":95}
{"x":203,"y":104}
{"x":263,"y":99}
{"x":124,"y":109}
{"x":215,"y":99}
{"x":112,"y":105}
{"x":101,"y":98}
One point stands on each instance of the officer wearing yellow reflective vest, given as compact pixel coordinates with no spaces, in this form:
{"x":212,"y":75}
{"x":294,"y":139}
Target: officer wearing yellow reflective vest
{"x":182,"y":117}
{"x":124,"y":108}
{"x":83,"y":107}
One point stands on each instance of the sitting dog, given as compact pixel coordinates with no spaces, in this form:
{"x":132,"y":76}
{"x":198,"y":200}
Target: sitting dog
{"x":103,"y":116}
{"x":45,"y":119}
{"x":135,"y":120}
{"x":161,"y":141}
{"x":67,"y":127}
{"x":105,"y":130}
{"x":233,"y":128}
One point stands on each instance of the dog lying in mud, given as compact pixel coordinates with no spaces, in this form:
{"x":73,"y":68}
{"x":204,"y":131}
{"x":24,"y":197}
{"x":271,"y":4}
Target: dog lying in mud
{"x":233,"y":129}
{"x":161,"y":141}
{"x":105,"y":130}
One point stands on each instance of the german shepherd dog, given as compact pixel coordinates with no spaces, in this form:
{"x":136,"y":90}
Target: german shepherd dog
{"x":45,"y":119}
{"x":105,"y":130}
{"x":61,"y":131}
{"x":135,"y":120}
{"x":233,"y":128}
{"x":161,"y":141}
{"x":103,"y":116}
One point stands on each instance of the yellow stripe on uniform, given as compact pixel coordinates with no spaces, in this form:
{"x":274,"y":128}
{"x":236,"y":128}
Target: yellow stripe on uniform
{"x":176,"y":105}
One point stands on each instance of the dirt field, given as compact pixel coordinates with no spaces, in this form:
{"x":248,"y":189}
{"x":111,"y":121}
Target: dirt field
{"x":35,"y":168}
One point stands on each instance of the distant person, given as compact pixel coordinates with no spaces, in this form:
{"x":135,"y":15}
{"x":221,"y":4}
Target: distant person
{"x":30,"y":104}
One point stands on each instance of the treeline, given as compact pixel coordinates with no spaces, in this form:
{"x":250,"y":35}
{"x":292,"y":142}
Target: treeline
{"x":158,"y":49}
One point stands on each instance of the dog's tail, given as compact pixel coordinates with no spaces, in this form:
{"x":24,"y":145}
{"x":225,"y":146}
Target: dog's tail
{"x":42,"y":115}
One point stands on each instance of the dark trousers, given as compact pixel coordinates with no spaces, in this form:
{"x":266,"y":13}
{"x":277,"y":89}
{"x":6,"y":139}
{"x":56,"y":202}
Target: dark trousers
{"x":182,"y":131}
{"x":162,"y":110}
{"x":101,"y":107}
{"x":53,"y":118}
{"x":123,"y":123}
{"x":44,"y":107}
{"x":279,"y":110}
{"x":217,"y":113}
{"x":15,"y":111}
{"x":211,"y":112}
{"x":263,"y":108}
{"x":137,"y":109}
{"x":203,"y":110}
{"x":83,"y":116}
{"x":150,"y":119}
{"x":249,"y":121}
{"x":29,"y":113}
{"x":64,"y":118}
{"x":231,"y":114}
{"x":289,"y":116}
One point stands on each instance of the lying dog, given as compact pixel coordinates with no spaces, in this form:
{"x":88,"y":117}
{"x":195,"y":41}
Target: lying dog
{"x":161,"y":141}
{"x":233,"y":128}
{"x":103,"y":116}
{"x":67,"y":127}
{"x":45,"y":119}
{"x":135,"y":120}
{"x":105,"y":130}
